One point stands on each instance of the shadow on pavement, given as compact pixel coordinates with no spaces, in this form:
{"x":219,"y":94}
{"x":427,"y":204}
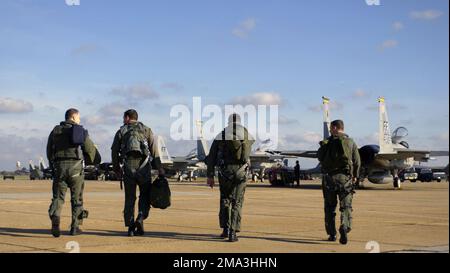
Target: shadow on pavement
{"x":24,"y":232}
{"x":288,"y":240}
{"x":163,"y":234}
{"x":29,"y":232}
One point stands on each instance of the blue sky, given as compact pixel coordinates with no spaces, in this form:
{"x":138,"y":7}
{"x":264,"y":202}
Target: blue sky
{"x":54,"y":56}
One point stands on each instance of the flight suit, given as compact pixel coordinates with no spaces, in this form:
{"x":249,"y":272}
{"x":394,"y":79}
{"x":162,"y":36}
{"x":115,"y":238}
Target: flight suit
{"x":232,"y":183}
{"x":232,"y":180}
{"x":132,"y":163}
{"x":338,"y":185}
{"x":66,"y":160}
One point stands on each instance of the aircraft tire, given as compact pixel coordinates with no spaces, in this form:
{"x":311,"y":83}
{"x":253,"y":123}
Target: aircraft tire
{"x":397,"y":183}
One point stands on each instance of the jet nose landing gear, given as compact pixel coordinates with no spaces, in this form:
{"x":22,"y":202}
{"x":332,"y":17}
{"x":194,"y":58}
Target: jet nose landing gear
{"x":397,"y":183}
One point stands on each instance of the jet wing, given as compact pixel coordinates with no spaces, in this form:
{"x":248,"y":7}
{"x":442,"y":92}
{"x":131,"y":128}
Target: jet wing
{"x":299,"y":153}
{"x":418,"y":155}
{"x":439,"y":153}
{"x":270,"y":156}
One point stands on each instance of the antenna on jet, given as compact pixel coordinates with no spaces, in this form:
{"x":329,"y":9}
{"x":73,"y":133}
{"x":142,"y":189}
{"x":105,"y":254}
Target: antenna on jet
{"x":326,"y":117}
{"x":30,"y":163}
{"x":199,"y":124}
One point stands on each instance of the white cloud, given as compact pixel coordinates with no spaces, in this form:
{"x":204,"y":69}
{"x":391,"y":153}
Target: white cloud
{"x":109,"y":114}
{"x":10,"y":105}
{"x":305,"y":140}
{"x":263,"y":98}
{"x":397,"y":26}
{"x":113,"y":109}
{"x":51,"y":108}
{"x":284,"y":120}
{"x":360,"y":93}
{"x":334,"y":105}
{"x":16,"y":148}
{"x":367,"y":140}
{"x":398,"y":106}
{"x":426,"y":14}
{"x":93,"y":120}
{"x":441,"y":140}
{"x":136,"y":92}
{"x":172,"y":86}
{"x":244,"y":28}
{"x":389,"y":44}
{"x":84,"y":49}
{"x":311,"y":137}
{"x":394,"y":107}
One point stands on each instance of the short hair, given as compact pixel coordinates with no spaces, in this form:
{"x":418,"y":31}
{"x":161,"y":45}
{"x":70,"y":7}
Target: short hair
{"x":339,"y":124}
{"x":131,"y":113}
{"x":234,"y":118}
{"x":70,"y":113}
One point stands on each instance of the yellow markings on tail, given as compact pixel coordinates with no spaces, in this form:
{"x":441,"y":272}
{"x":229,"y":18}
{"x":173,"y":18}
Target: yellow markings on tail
{"x":325,"y":100}
{"x":381,"y":99}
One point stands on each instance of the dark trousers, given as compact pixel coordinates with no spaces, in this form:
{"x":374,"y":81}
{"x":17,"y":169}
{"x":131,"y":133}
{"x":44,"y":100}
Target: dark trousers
{"x":131,"y":186}
{"x":69,"y":174}
{"x":337,"y":187}
{"x":232,"y":190}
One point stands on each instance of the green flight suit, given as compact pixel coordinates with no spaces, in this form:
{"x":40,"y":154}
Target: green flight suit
{"x":132,"y":163}
{"x":338,"y":185}
{"x":232,"y":180}
{"x":232,"y":190}
{"x":66,"y":160}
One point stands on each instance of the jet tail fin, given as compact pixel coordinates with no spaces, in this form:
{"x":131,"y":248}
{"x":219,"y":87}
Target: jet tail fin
{"x":326,"y":117}
{"x":42,"y":164}
{"x":202,"y":149}
{"x":384,"y":133}
{"x":30,"y":166}
{"x":163,"y":151}
{"x":202,"y":146}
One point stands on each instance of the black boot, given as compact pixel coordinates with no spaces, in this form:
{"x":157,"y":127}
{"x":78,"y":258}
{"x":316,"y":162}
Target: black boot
{"x":56,"y":232}
{"x":139,"y":226}
{"x":74,"y":231}
{"x":224,"y":233}
{"x":131,"y":230}
{"x":343,"y":239}
{"x":332,"y":238}
{"x":232,"y":237}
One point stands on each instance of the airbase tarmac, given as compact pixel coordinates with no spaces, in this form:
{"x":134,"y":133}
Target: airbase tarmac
{"x":275,"y":220}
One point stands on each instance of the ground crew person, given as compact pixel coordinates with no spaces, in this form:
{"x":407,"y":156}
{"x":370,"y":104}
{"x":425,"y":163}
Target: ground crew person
{"x":67,"y":147}
{"x":340,"y":161}
{"x":230,"y":152}
{"x":135,"y":148}
{"x":297,"y":173}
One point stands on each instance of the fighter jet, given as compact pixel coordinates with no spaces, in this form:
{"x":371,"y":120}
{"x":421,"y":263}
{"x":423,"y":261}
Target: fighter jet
{"x":35,"y":172}
{"x":382,"y":162}
{"x":12,"y":175}
{"x":183,"y":167}
{"x":39,"y":172}
{"x":46,"y":171}
{"x":263,"y":158}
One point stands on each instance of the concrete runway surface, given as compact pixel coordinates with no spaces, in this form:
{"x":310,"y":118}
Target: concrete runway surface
{"x":413,"y":219}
